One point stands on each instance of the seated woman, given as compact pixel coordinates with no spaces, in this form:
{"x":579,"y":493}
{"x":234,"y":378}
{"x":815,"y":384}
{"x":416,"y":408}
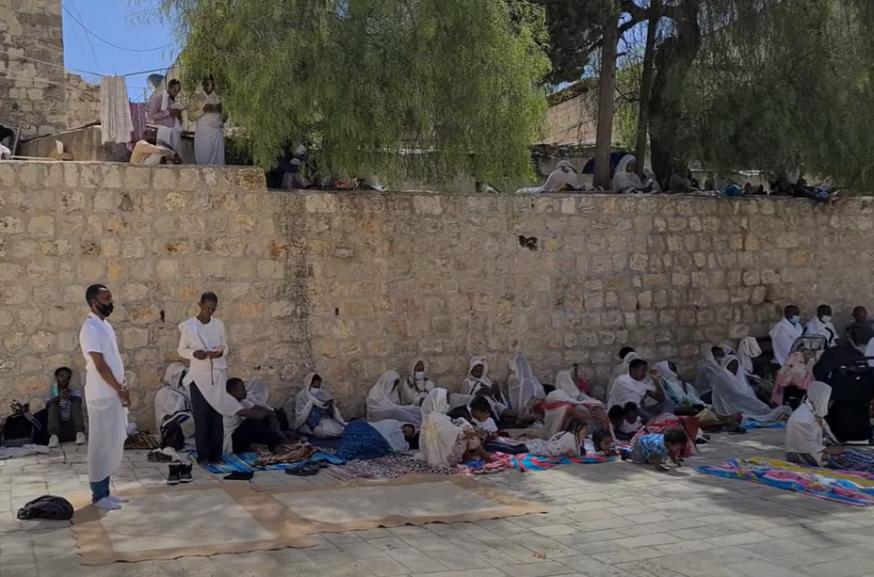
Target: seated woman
{"x":844,"y":369}
{"x":444,"y":441}
{"x":315,"y":411}
{"x":626,"y":179}
{"x":709,"y":371}
{"x":567,"y":402}
{"x":478,"y":384}
{"x":684,"y":396}
{"x":417,"y":385}
{"x":793,"y":379}
{"x":809,"y":440}
{"x":384,"y":402}
{"x":733,"y":394}
{"x":363,"y":440}
{"x":526,"y":391}
{"x":567,"y":443}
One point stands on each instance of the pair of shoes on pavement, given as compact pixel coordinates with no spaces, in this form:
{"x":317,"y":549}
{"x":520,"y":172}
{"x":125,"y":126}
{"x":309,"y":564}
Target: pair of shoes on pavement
{"x":54,"y":442}
{"x":179,"y":473}
{"x":111,"y":502}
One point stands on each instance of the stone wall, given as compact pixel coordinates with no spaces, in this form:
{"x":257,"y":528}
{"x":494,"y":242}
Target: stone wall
{"x":32,"y":72}
{"x":83,"y":102}
{"x":353,"y":284}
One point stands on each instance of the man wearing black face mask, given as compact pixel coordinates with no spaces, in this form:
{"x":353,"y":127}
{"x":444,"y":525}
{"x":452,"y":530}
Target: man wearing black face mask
{"x":106,"y":397}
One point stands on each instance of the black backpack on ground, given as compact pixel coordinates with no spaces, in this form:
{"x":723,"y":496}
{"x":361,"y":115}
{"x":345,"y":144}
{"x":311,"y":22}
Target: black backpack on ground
{"x":47,"y":507}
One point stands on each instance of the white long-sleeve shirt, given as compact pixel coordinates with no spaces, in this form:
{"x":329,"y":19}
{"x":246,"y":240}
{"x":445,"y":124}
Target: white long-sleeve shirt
{"x":783,"y":336}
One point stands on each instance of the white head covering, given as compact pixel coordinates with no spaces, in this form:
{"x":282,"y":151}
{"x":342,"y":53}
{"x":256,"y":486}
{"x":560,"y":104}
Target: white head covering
{"x":804,"y":431}
{"x":472,"y":384}
{"x":439,"y":433}
{"x":257,"y":390}
{"x":732,"y":394}
{"x":524,"y":385}
{"x":173,"y":397}
{"x":413,"y":391}
{"x":383,"y":402}
{"x":624,"y":181}
{"x":747,"y":350}
{"x":564,"y":175}
{"x":392,"y":431}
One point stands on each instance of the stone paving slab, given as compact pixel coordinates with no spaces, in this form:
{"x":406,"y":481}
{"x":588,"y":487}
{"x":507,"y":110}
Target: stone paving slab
{"x":610,"y":520}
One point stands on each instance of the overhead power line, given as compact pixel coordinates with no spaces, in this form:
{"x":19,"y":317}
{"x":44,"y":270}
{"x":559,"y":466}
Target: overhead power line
{"x":107,"y":42}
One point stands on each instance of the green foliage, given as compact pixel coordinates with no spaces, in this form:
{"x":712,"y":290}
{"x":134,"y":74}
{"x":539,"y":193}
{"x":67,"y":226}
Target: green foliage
{"x":456,"y":81}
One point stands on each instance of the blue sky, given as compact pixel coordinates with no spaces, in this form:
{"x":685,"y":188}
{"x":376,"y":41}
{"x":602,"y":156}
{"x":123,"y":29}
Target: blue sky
{"x":127,"y":24}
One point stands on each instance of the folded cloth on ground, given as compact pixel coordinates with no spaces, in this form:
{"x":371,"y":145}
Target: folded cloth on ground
{"x":292,"y":454}
{"x":536,"y":463}
{"x":847,"y":487}
{"x":392,"y":467}
{"x":749,"y":425}
{"x":247,"y":462}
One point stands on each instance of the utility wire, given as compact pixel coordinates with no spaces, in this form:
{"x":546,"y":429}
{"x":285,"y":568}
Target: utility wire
{"x":164,"y":69}
{"x":107,"y":42}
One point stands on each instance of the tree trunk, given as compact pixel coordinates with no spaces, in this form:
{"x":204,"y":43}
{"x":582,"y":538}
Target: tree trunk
{"x":646,"y":79}
{"x":607,"y":89}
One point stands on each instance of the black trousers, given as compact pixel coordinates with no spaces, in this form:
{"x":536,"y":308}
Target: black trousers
{"x":209,"y":429}
{"x":254,"y":432}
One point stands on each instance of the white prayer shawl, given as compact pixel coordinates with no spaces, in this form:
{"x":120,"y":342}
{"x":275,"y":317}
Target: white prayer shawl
{"x":564,"y":381}
{"x":439,"y":433}
{"x":413,"y":392}
{"x":816,"y":327}
{"x":733,"y":394}
{"x":628,"y":390}
{"x":209,"y":135}
{"x":392,"y":431}
{"x":210,"y":375}
{"x":170,"y":135}
{"x":524,"y":386}
{"x":804,"y":431}
{"x":558,"y":445}
{"x":621,"y":369}
{"x":783,"y":336}
{"x":624,"y":181}
{"x":116,"y":124}
{"x":483,"y":385}
{"x":747,"y":350}
{"x":709,"y":371}
{"x":384,"y":402}
{"x":173,"y":397}
{"x":675,"y":385}
{"x":309,"y":397}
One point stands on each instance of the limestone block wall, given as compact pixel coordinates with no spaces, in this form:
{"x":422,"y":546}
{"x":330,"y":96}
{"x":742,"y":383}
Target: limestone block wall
{"x":32,"y":72}
{"x":353,"y":284}
{"x":83,"y":102}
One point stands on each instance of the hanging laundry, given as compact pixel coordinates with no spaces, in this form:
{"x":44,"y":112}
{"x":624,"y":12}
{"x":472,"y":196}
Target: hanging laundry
{"x":116,"y":123}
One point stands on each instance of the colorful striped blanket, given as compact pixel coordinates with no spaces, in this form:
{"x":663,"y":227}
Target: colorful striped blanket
{"x":530,"y":462}
{"x":850,"y":487}
{"x":244,"y":463}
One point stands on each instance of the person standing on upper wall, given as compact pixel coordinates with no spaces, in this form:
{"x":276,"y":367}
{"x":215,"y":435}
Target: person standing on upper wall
{"x":204,"y":342}
{"x":785,"y":333}
{"x":106,"y":396}
{"x":209,"y":135}
{"x":165,"y":112}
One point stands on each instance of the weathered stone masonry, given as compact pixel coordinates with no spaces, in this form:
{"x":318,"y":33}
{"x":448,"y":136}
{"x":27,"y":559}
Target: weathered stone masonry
{"x":352,"y":284}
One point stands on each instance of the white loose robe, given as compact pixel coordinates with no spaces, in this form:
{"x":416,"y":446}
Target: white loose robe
{"x":805,"y":429}
{"x":817,"y":327}
{"x":413,"y":392}
{"x":107,"y":418}
{"x":439,"y":433}
{"x":210,"y":375}
{"x":209,"y":135}
{"x":331,"y":426}
{"x":524,"y":386}
{"x":783,"y":336}
{"x":384,"y":402}
{"x":732,"y":394}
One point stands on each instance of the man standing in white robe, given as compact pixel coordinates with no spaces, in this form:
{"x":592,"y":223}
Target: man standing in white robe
{"x":165,"y":112}
{"x":106,"y":397}
{"x":204,"y":342}
{"x":785,"y":333}
{"x":209,"y":134}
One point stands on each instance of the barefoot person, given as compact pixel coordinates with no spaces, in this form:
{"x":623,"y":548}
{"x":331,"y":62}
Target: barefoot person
{"x":106,"y":397}
{"x":204,"y":343}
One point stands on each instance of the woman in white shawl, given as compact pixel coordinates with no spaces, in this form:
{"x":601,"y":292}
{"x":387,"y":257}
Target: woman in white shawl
{"x":525,"y":389}
{"x":315,"y":412}
{"x":620,"y":370}
{"x":568,"y":402}
{"x":733,"y":394}
{"x":384,"y":402}
{"x":478,"y":384}
{"x":444,"y":441}
{"x":809,"y":440}
{"x":625,"y":178}
{"x":681,"y":393}
{"x":417,"y":385}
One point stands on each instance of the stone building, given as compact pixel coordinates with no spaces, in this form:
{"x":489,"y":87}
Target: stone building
{"x":32,"y":75}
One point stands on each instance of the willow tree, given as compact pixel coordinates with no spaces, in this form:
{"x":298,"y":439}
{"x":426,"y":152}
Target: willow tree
{"x":784,"y":86}
{"x":429,"y":89}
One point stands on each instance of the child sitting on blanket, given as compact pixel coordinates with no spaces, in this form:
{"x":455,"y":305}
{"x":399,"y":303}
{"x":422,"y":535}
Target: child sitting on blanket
{"x":481,"y":412}
{"x":654,"y":449}
{"x":604,"y":444}
{"x":625,"y":421}
{"x":568,"y":443}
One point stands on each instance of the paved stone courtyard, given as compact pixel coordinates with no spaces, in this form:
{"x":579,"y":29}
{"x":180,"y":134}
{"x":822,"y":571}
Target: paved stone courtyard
{"x":608,"y":520}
